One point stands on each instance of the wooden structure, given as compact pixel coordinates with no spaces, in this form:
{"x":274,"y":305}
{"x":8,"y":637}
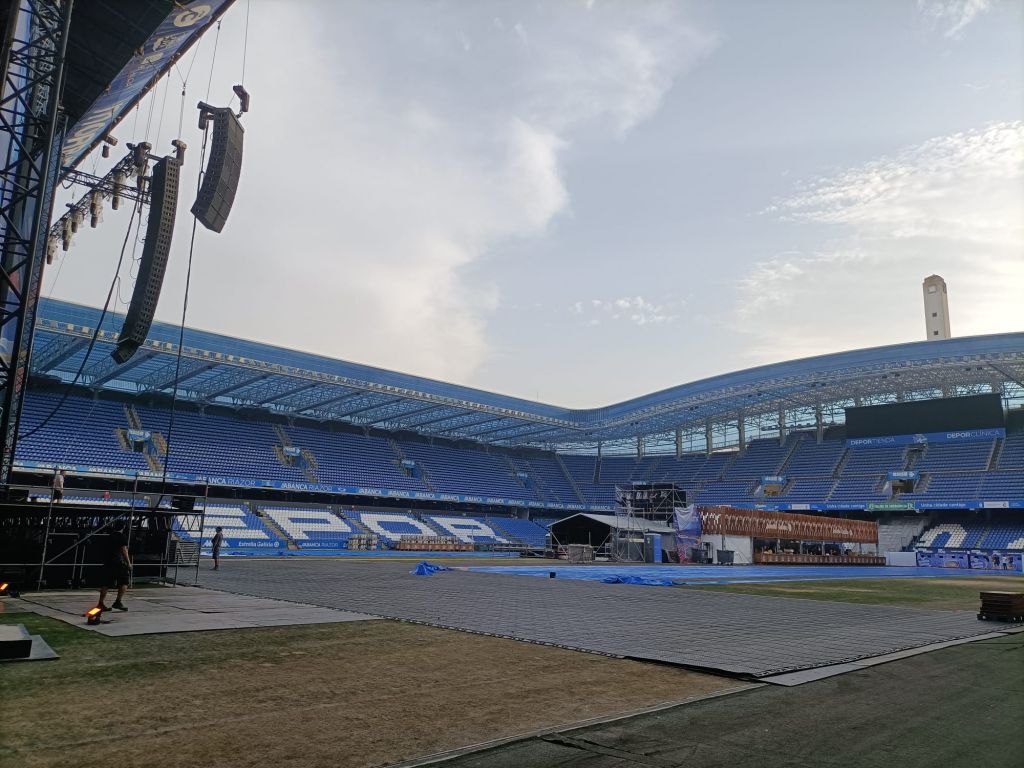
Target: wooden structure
{"x":782,"y":558}
{"x":763,"y":524}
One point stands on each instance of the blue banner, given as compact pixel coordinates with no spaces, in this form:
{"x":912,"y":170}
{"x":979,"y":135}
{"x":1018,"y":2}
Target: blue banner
{"x":138,"y":435}
{"x":773,"y":480}
{"x":997,"y":561}
{"x":687,"y":525}
{"x":965,"y":436}
{"x":182,"y":27}
{"x":942,"y":559}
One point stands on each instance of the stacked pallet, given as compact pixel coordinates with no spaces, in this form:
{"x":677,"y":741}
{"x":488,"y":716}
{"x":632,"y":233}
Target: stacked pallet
{"x":1002,"y":606}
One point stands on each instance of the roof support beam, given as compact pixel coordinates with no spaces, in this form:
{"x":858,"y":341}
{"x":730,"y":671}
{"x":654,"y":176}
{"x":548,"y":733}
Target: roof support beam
{"x":109,"y":370}
{"x":290,"y":392}
{"x":488,"y":420}
{"x":329,"y":401}
{"x":236,"y":385}
{"x":402,"y":415}
{"x":189,"y":368}
{"x":446,"y":417}
{"x":370,"y":407}
{"x":1009,"y":376}
{"x":61,"y":351}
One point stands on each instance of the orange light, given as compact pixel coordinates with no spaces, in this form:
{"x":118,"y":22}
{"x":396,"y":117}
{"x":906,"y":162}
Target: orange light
{"x":93,"y":612}
{"x":3,"y":587}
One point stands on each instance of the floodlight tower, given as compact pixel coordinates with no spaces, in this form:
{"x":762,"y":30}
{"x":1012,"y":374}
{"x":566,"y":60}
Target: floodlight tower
{"x":936,"y":308}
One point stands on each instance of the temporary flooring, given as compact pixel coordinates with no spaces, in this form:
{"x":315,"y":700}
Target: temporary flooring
{"x":738,"y":634}
{"x":180,"y":609}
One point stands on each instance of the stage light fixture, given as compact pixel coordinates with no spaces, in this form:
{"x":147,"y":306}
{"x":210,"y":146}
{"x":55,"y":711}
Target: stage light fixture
{"x":92,"y":616}
{"x":95,"y":208}
{"x":3,"y":587}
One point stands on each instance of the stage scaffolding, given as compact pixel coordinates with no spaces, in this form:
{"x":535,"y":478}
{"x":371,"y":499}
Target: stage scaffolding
{"x":44,"y":544}
{"x":637,"y":504}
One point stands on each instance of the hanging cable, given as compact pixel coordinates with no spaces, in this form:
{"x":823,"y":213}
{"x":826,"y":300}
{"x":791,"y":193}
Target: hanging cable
{"x":181,"y":329}
{"x":213,"y":61}
{"x":160,"y":121}
{"x":96,"y":331}
{"x":245,"y":41}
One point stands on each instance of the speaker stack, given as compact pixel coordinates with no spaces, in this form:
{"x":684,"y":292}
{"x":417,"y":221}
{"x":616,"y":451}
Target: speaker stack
{"x":163,"y":197}
{"x":217,"y":193}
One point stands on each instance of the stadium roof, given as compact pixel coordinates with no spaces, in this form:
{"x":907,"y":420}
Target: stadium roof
{"x":220,"y":370}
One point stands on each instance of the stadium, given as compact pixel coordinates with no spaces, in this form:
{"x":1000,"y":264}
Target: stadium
{"x":331,"y":563}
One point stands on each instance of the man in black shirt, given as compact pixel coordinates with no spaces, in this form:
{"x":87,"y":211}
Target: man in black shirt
{"x":117,"y":567}
{"x":215,"y":544}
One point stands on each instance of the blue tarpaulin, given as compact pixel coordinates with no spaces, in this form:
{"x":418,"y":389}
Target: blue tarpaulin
{"x":428,"y":569}
{"x":638,"y":580}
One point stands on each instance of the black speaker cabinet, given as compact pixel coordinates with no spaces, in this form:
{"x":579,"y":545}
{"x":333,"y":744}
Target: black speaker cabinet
{"x":163,"y":204}
{"x":220,"y":182}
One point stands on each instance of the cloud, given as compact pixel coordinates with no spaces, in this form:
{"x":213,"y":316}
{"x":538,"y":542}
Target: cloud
{"x":953,"y":205}
{"x":631,"y":309}
{"x":952,"y":16}
{"x":438,"y":132}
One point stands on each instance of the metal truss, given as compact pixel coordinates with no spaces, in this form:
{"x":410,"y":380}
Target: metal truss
{"x":111,"y":186}
{"x":32,"y":71}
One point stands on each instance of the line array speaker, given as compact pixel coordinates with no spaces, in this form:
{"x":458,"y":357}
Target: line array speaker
{"x":220,"y":183}
{"x":163,"y":204}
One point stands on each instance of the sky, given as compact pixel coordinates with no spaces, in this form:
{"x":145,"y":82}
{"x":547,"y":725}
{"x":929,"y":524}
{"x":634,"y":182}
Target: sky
{"x":582,"y":201}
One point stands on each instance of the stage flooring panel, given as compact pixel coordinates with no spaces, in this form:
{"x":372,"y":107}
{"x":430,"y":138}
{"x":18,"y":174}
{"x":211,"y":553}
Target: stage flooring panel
{"x":181,"y":609}
{"x":733,"y":633}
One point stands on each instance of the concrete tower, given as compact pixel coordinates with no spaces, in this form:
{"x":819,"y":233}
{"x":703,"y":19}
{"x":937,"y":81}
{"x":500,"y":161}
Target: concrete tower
{"x":936,"y":308}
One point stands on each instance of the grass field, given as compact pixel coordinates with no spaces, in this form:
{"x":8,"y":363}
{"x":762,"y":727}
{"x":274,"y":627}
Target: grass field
{"x":357,"y":694}
{"x":371,"y":693}
{"x":945,"y":594}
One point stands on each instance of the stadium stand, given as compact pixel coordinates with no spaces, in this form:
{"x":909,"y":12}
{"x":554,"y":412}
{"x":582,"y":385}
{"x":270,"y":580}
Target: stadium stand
{"x":808,"y":489}
{"x":242,"y":529}
{"x":954,"y":487}
{"x":1012,"y":455}
{"x":972,"y":534}
{"x":528,"y":533}
{"x":470,"y":530}
{"x":955,"y":457}
{"x":856,"y":489}
{"x":227,"y":447}
{"x":998,"y":486}
{"x":761,"y":457}
{"x":962,"y":535}
{"x":457,"y":470}
{"x":713,"y":466}
{"x":874,"y":459}
{"x":724,"y":492}
{"x":1007,"y":536}
{"x":75,"y":433}
{"x":310,"y":527}
{"x":392,"y":526}
{"x":898,"y":534}
{"x":809,"y":459}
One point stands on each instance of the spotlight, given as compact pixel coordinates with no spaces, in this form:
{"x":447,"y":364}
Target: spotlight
{"x":95,"y":208}
{"x":3,"y":587}
{"x":115,"y":197}
{"x":92,"y":616}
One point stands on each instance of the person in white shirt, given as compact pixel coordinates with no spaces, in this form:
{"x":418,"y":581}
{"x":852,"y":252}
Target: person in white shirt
{"x":58,"y":486}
